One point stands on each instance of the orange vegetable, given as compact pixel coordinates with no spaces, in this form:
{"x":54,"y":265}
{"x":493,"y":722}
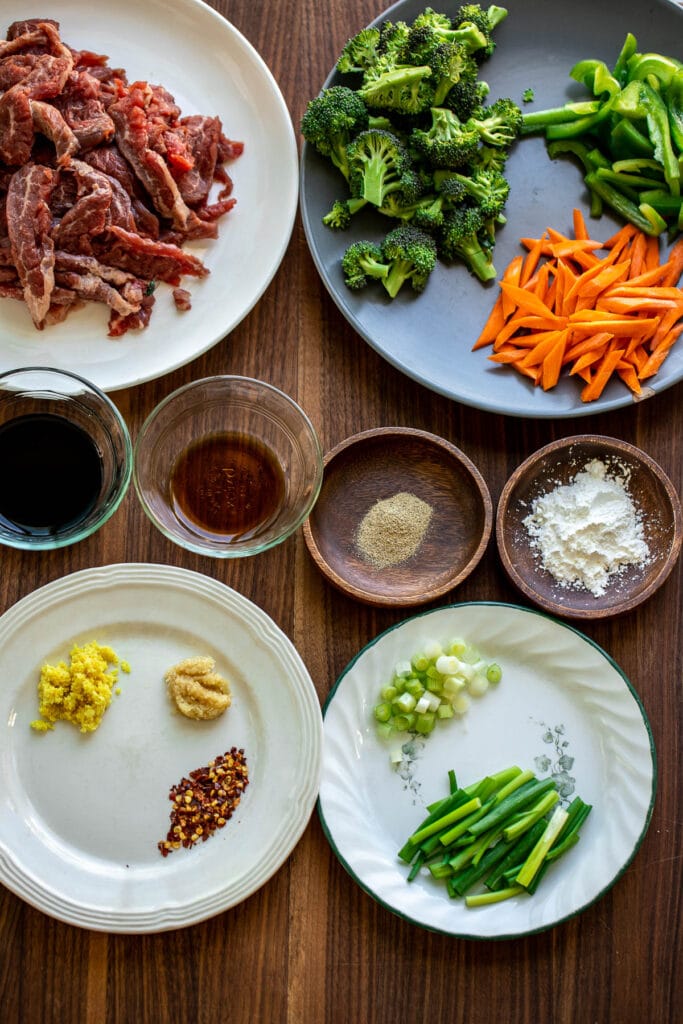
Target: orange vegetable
{"x":595,"y":311}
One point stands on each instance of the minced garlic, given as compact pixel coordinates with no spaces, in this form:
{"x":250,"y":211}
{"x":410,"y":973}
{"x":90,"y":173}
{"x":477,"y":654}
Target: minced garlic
{"x":80,"y":692}
{"x":197,"y":689}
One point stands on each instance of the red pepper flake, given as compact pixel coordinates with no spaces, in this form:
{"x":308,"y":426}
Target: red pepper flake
{"x":205,"y":801}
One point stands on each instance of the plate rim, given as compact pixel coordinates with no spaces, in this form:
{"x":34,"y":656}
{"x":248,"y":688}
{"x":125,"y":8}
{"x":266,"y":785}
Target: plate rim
{"x":641,"y":836}
{"x":113,"y":920}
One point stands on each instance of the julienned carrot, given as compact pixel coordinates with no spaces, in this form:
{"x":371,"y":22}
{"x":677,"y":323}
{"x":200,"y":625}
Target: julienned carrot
{"x":592,"y":310}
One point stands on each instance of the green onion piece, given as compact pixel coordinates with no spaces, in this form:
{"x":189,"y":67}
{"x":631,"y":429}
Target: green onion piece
{"x":494,"y":673}
{"x":383,"y":712}
{"x":515,"y":856}
{"x":449,"y":838}
{"x":481,"y":899}
{"x":537,"y":856}
{"x":443,"y":822}
{"x":530,"y":817}
{"x":384,"y":730}
{"x":414,"y":871}
{"x":526,"y":794}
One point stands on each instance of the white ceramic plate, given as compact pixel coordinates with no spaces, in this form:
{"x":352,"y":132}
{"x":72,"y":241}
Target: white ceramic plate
{"x":80,"y":815}
{"x":563,"y":706}
{"x":211,"y":69}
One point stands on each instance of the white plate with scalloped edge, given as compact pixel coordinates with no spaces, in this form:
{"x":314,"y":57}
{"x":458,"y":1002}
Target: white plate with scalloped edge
{"x":81,"y":815}
{"x":210,"y":68}
{"x":562,"y":708}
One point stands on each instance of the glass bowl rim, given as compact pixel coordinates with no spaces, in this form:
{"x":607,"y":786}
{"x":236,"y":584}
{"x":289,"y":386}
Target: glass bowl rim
{"x":252,"y":546}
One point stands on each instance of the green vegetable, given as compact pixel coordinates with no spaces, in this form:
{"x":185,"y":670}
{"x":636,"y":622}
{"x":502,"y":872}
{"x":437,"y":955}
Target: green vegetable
{"x":504,"y":830}
{"x":331,"y":120}
{"x":412,"y":106}
{"x":436,"y":684}
{"x":411,"y":256}
{"x":635,"y":113}
{"x":376,"y":161}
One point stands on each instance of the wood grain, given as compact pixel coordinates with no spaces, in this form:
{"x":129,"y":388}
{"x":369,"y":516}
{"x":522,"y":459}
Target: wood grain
{"x":311,"y":947}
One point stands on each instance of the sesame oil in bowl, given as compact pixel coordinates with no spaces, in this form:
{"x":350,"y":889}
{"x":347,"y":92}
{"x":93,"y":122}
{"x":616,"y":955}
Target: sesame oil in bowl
{"x":227,"y":486}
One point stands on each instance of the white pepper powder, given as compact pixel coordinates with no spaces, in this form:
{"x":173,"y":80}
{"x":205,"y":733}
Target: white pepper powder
{"x":393,"y":529}
{"x":588,"y":531}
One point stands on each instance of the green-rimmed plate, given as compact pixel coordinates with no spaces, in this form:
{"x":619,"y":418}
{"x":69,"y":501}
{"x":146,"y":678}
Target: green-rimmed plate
{"x":563,"y":707}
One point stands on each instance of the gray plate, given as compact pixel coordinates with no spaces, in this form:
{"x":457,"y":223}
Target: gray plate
{"x":429,"y":337}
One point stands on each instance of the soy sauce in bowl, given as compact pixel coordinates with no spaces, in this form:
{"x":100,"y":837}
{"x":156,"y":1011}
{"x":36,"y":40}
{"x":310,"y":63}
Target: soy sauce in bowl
{"x":227,"y":485}
{"x":50,"y":473}
{"x":66,"y":458}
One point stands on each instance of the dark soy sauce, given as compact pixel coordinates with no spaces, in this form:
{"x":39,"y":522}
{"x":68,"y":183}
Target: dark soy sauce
{"x":227,"y":486}
{"x":50,"y":473}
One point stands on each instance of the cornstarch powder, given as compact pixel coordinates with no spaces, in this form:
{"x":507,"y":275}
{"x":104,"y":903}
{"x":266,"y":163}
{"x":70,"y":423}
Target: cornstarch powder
{"x":392,"y":530}
{"x":589,"y":530}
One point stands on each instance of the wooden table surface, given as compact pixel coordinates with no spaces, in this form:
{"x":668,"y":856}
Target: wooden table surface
{"x":310,"y":946}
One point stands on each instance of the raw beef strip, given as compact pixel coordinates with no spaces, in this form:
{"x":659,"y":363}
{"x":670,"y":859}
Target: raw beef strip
{"x":29,"y":222}
{"x":44,"y":81}
{"x":88,"y":216}
{"x":133,"y":139}
{"x":149,"y":259}
{"x":48,"y":120}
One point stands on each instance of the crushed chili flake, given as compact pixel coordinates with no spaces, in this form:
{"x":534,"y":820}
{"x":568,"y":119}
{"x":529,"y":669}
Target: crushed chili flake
{"x":205,"y":801}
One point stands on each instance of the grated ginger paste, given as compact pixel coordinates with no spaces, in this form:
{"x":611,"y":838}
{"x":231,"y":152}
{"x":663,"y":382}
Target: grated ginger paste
{"x":80,"y":692}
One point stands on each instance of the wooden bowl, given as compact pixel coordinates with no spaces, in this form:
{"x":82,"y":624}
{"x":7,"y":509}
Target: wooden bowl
{"x":374,"y":466}
{"x":654,"y":498}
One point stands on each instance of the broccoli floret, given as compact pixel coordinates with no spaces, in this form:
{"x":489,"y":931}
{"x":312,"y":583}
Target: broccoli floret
{"x":449,"y":63}
{"x":492,"y":158}
{"x":359,"y":52}
{"x":448,"y":60}
{"x":361,"y":262}
{"x":424,"y":212}
{"x":340,"y":215}
{"x":466,"y":33}
{"x":498,"y":125}
{"x":404,"y":88}
{"x":433,"y":20}
{"x":428,"y":214}
{"x":411,"y":255}
{"x":466,"y":97}
{"x":393,"y":37}
{"x":331,"y":120}
{"x":488,"y":188}
{"x":450,"y":188}
{"x":448,"y":142}
{"x":378,"y":163}
{"x":528,"y":95}
{"x":464,"y":236}
{"x":483,"y":21}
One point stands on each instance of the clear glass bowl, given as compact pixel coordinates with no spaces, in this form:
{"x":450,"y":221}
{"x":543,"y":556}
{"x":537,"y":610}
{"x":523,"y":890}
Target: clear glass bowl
{"x":227,"y":413}
{"x":37,"y":392}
